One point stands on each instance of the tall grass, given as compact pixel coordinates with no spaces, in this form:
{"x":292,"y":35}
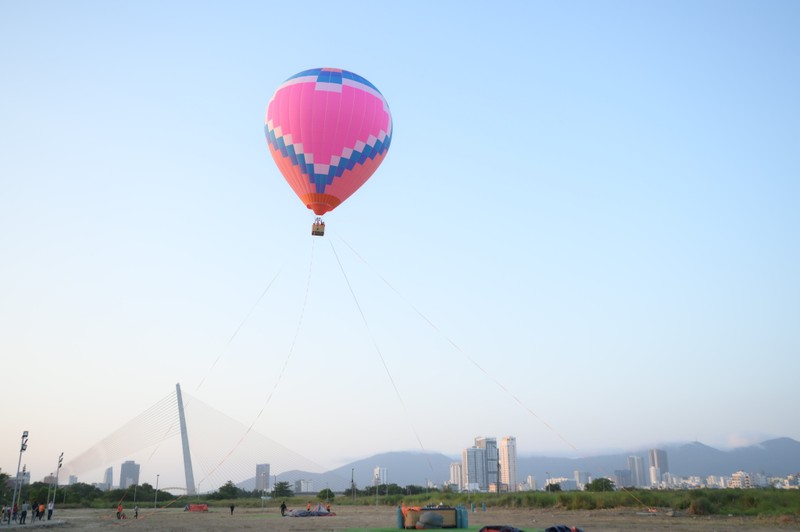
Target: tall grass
{"x":756,"y":502}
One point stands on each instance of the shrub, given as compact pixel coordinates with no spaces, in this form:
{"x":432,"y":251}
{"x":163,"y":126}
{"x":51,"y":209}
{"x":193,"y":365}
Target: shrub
{"x":700,"y":506}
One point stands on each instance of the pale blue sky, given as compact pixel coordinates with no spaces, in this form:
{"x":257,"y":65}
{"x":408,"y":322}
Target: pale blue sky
{"x":597,"y":202}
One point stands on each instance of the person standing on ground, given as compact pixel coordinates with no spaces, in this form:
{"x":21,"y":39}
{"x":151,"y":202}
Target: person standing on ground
{"x":283,"y":509}
{"x":49,"y":510}
{"x":232,"y":507}
{"x":24,"y":514}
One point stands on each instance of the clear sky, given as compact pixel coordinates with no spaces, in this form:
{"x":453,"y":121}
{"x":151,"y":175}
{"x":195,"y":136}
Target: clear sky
{"x":594,"y":205}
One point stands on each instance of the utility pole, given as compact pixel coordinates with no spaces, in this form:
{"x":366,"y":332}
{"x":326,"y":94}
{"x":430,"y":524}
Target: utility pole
{"x":60,"y":462}
{"x":22,"y":447}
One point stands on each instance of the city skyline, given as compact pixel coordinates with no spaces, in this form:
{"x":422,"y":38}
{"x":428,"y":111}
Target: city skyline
{"x":569,"y":478}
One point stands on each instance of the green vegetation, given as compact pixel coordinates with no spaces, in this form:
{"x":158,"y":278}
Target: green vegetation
{"x":600,"y":484}
{"x":753,"y":502}
{"x":600,"y":494}
{"x":282,"y":489}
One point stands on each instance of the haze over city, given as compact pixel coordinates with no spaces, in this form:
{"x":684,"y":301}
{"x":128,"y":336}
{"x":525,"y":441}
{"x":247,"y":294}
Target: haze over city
{"x":583,"y":235}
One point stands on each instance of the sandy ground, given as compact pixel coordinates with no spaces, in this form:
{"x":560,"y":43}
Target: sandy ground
{"x":371,"y":518}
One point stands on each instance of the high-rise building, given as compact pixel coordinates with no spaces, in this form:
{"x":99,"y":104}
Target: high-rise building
{"x":507,"y":459}
{"x":304,"y":486}
{"x":72,"y":480}
{"x":655,"y":476}
{"x":581,"y":478}
{"x":492,"y":465}
{"x":128,"y":474}
{"x":456,"y":475}
{"x":637,"y":471}
{"x":658,"y":465}
{"x":379,"y":476}
{"x":658,"y":458}
{"x":262,"y":477}
{"x":108,"y":479}
{"x":740,"y":479}
{"x":623,"y":478}
{"x":473,"y":469}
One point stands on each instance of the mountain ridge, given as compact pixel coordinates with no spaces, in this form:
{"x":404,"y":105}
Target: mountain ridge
{"x":775,"y":457}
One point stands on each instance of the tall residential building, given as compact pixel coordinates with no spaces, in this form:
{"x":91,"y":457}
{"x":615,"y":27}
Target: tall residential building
{"x":262,"y":477}
{"x":740,"y":479}
{"x":128,"y":474}
{"x":658,"y":465}
{"x":623,"y":478}
{"x":492,"y":465}
{"x":473,"y":465}
{"x":581,"y":478}
{"x":655,"y":476}
{"x":456,"y":475}
{"x":507,"y":458}
{"x":637,"y":471}
{"x":379,"y":476}
{"x":108,"y":478}
{"x":658,"y":458}
{"x":72,"y":480}
{"x":304,"y":486}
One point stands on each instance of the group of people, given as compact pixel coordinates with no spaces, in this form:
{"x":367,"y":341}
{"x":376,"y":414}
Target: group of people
{"x":121,"y":512}
{"x":20,"y":513}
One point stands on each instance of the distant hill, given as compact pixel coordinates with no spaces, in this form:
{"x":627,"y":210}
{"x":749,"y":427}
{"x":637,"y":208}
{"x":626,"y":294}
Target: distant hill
{"x":778,"y":457}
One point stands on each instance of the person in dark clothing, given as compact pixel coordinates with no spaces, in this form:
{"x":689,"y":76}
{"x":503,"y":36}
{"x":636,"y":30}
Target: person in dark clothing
{"x":283,"y":509}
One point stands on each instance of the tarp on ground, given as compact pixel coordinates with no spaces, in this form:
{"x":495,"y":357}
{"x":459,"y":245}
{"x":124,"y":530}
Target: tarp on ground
{"x":319,"y":511}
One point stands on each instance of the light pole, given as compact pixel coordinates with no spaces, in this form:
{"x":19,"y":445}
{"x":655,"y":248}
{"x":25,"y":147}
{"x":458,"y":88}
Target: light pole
{"x":55,"y":489}
{"x":22,"y":447}
{"x":155,"y":504}
{"x":49,"y":488}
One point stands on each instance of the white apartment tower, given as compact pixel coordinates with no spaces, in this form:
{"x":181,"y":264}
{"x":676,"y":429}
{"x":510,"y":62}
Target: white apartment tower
{"x":457,"y":475}
{"x":658,"y":465}
{"x":379,"y":476}
{"x":658,"y":458}
{"x":508,"y":462}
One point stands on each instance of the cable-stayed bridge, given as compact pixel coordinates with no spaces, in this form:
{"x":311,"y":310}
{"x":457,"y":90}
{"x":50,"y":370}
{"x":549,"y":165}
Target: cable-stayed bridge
{"x":187,"y":445}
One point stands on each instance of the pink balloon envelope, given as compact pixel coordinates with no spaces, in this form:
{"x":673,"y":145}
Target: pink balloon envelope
{"x":328,"y":130}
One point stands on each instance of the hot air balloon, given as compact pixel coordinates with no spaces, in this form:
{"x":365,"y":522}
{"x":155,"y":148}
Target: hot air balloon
{"x":328,"y":130}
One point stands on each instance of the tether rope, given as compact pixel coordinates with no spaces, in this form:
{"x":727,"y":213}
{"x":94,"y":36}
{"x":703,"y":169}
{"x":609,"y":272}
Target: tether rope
{"x":475,"y":363}
{"x":378,"y":350}
{"x":280,"y":373}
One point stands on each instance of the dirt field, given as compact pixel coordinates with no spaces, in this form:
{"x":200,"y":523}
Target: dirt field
{"x":377,"y":518}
